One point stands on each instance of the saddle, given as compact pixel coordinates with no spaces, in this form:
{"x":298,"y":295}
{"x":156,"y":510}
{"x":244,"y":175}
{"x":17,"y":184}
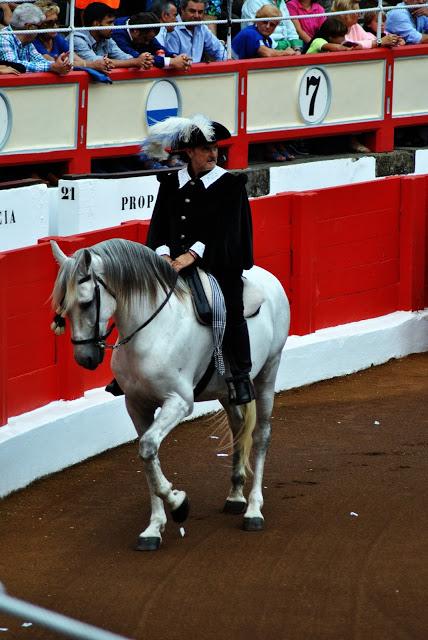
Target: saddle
{"x":200,"y":288}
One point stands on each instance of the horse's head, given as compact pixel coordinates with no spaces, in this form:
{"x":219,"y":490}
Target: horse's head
{"x":81,"y":294}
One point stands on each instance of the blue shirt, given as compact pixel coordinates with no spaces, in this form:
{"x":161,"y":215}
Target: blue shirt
{"x":124,"y":41}
{"x":59,"y":45}
{"x":248,"y":41}
{"x":12,"y":50}
{"x":89,"y":49}
{"x":404,"y":24}
{"x":195,"y":43}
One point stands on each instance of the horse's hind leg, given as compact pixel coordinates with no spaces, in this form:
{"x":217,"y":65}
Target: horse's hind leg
{"x":265,"y":390}
{"x":235,"y":501}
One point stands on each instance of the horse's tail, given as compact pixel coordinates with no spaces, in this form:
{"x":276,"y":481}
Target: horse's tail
{"x":245,"y":437}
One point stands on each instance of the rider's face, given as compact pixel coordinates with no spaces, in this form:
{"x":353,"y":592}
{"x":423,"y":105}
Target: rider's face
{"x":203,"y":158}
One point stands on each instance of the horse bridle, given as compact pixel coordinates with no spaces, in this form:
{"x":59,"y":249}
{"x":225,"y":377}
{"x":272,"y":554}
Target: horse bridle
{"x":99,"y":340}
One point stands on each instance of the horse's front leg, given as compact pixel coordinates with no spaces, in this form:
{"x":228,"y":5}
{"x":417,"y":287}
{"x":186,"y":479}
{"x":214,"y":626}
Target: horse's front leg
{"x":151,"y":538}
{"x":174,"y":409}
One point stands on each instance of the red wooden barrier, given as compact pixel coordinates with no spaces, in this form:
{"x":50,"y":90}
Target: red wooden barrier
{"x":3,"y":343}
{"x":358,"y":252}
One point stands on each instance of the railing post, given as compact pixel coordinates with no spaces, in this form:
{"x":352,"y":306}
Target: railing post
{"x":81,"y":160}
{"x":238,"y":151}
{"x":413,"y":207}
{"x":3,"y":342}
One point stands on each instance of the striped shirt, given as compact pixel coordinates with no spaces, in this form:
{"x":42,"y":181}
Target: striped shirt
{"x":13,"y":50}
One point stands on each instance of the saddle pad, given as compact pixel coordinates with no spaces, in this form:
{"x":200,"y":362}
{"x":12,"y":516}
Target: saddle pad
{"x":253,"y":295}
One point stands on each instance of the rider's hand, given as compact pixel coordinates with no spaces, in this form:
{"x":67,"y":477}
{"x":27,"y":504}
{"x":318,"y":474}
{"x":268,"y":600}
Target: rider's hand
{"x":166,"y":257}
{"x":183,"y":261}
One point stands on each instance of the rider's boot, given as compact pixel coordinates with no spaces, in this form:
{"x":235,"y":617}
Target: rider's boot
{"x":241,"y":389}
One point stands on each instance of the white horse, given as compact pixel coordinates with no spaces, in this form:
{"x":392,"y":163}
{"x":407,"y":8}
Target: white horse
{"x":162,"y":353}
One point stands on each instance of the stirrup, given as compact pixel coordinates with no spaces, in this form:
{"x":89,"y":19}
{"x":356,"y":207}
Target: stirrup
{"x":241,"y":389}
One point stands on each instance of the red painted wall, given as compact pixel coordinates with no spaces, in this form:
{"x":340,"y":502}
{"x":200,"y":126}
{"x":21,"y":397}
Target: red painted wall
{"x":342,"y":254}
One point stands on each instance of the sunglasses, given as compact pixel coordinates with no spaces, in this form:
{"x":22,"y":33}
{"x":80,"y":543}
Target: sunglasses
{"x":50,"y":23}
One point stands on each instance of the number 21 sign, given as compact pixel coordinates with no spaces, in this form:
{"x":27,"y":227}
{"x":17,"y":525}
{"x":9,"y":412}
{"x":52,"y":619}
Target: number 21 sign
{"x":314,"y":95}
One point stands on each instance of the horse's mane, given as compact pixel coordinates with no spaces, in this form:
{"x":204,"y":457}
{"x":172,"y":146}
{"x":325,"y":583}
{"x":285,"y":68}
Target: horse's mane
{"x":129,"y":268}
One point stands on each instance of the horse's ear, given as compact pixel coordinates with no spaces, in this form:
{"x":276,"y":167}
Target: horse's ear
{"x":88,"y":258}
{"x":58,"y":254}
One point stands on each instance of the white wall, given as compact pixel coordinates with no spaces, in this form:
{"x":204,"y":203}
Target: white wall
{"x":319,"y":175}
{"x":88,"y":204}
{"x":24,"y":216}
{"x":421,"y":161}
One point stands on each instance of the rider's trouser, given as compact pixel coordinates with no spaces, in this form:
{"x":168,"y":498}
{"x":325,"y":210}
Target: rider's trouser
{"x":236,"y":341}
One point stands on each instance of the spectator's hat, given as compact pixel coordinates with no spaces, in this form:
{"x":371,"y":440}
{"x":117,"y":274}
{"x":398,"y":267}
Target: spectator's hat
{"x":176,"y":134}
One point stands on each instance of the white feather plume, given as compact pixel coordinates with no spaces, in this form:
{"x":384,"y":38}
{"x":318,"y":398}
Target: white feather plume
{"x":170,"y":132}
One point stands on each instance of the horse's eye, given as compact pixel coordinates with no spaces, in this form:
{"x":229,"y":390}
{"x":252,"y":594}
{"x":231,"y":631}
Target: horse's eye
{"x":85,"y":305}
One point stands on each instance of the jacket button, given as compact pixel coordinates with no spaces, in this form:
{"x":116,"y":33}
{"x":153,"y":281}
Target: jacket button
{"x":192,"y":183}
{"x":182,"y":236}
{"x":187,"y":200}
{"x":183,"y":217}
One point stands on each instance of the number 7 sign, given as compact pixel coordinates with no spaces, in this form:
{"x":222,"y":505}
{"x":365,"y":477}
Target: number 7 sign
{"x":314,"y":95}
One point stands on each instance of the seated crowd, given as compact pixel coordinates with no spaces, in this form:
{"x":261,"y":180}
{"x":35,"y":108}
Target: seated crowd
{"x":281,"y":29}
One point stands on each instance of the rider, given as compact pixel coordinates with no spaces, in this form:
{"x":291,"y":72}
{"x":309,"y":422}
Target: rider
{"x":202,"y":216}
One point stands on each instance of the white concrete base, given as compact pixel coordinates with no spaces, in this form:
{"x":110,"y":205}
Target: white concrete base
{"x":63,"y":433}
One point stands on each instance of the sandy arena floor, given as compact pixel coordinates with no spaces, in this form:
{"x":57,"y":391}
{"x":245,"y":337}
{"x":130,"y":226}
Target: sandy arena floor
{"x":343,"y":555}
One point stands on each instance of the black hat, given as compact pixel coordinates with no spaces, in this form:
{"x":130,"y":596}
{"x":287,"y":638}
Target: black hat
{"x":176,"y":134}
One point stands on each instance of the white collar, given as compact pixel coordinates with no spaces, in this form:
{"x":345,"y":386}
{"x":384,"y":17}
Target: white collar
{"x":207,"y":180}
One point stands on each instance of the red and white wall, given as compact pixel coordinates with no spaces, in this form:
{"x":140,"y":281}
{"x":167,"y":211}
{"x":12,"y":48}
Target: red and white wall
{"x":353,"y":260}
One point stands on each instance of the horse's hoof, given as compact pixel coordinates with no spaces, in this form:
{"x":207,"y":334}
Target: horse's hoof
{"x":151,"y":543}
{"x":181,"y":513}
{"x":253,"y":524}
{"x":235,"y":507}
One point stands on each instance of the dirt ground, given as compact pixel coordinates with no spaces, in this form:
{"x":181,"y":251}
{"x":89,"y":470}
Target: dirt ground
{"x":343,"y":555}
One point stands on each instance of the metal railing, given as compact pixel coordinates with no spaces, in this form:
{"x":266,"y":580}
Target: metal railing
{"x":51,"y":620}
{"x":71,"y":28}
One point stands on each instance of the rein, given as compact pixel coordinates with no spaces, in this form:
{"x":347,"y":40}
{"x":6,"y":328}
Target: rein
{"x":100,"y":341}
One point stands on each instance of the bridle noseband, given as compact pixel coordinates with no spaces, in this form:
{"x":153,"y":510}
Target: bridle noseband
{"x":100,"y":340}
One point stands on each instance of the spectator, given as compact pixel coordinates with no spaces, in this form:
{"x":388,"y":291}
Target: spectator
{"x":255,"y":40}
{"x":196,"y":41}
{"x":93,"y":45}
{"x":136,"y":41}
{"x":410,"y":24}
{"x":5,"y":13}
{"x":356,"y":32}
{"x":16,"y":47}
{"x":51,"y":45}
{"x":167,"y":13}
{"x":331,"y":37}
{"x":306,"y":28}
{"x":212,"y":12}
{"x":285,"y":35}
{"x":370,"y":19}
